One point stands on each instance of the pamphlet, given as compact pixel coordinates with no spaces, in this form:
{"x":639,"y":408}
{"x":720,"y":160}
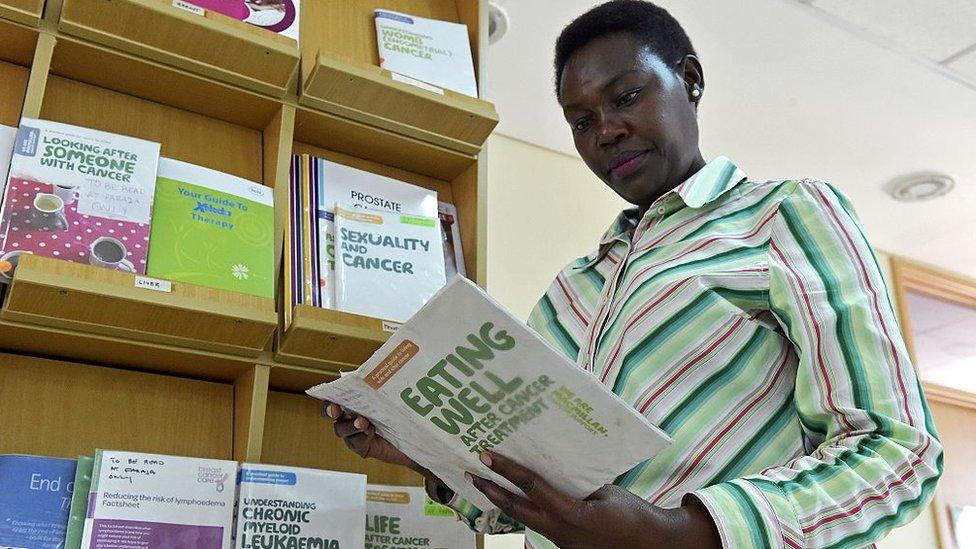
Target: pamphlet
{"x":403,"y":517}
{"x":463,"y":375}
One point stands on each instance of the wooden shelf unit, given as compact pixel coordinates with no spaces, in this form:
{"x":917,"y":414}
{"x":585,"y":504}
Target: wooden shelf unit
{"x":27,"y":12}
{"x":341,"y":73}
{"x":197,"y":371}
{"x":212,"y":44}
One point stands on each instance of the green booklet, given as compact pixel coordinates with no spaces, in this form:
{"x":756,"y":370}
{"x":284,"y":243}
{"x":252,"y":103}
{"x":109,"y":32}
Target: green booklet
{"x":79,"y":502}
{"x":212,"y":229}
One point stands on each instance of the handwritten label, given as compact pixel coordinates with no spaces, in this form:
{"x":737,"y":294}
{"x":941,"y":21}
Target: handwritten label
{"x":186,"y":6}
{"x":417,"y":83}
{"x":116,"y":200}
{"x":391,"y":327}
{"x":129,"y":468}
{"x":154,"y":284}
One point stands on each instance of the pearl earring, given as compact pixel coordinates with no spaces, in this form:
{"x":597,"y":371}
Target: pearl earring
{"x":696,"y":92}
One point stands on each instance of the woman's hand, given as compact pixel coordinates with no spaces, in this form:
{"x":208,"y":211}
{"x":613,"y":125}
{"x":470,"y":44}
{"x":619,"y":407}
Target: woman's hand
{"x":360,"y":436}
{"x":610,"y":517}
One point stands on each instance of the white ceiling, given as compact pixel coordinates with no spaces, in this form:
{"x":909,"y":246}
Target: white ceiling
{"x":794,"y":92}
{"x":942,"y":333}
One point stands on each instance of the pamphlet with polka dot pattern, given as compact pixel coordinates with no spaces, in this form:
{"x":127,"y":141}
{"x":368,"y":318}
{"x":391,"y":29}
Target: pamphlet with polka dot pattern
{"x":79,"y":195}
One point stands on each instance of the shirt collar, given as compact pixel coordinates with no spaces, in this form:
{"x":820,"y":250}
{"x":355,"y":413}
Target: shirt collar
{"x":712,"y":181}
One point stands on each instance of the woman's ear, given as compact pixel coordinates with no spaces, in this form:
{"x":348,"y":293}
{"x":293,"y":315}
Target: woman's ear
{"x":689,"y":69}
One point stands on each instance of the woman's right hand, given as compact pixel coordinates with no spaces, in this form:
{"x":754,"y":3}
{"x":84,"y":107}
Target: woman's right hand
{"x":360,"y":436}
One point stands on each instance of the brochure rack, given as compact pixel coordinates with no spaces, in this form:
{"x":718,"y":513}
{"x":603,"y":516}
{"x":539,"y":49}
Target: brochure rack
{"x":88,"y":359}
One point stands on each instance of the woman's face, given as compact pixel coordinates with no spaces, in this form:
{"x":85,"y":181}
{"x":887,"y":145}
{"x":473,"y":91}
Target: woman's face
{"x":632,"y":116}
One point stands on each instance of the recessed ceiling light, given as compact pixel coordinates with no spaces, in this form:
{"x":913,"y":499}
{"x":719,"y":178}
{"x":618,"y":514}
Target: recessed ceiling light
{"x":497,"y":22}
{"x":920,"y":186}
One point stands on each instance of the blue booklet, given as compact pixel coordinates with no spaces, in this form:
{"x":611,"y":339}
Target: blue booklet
{"x":35,"y":496}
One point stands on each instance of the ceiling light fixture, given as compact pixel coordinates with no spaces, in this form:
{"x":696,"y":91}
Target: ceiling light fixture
{"x":921,"y":186}
{"x":497,"y":22}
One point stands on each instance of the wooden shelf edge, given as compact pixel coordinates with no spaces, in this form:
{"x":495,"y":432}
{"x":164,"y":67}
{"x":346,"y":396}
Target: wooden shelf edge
{"x":409,"y":98}
{"x":22,"y":16}
{"x":315,"y":127}
{"x":145,"y":356}
{"x":297,"y":379}
{"x":325,"y":106}
{"x":329,"y":340}
{"x":241,"y":324}
{"x":170,"y":20}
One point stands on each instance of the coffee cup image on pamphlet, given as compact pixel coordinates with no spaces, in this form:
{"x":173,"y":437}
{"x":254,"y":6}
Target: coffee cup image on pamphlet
{"x":463,"y":375}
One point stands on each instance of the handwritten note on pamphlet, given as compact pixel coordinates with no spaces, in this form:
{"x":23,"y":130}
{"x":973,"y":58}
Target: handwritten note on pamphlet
{"x":116,"y":200}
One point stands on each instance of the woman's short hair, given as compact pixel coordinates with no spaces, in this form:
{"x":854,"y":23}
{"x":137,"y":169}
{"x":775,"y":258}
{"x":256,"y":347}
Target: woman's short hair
{"x":645,"y":20}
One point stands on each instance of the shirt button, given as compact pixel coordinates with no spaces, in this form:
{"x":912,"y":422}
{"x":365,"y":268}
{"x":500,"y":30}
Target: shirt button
{"x":661,"y":210}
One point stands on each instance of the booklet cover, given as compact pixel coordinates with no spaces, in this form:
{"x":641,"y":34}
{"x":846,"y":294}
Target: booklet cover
{"x":150,"y":500}
{"x":7,"y":136}
{"x":451,"y":233}
{"x":79,"y":503}
{"x":78,"y":194}
{"x":432,"y":51}
{"x":295,"y":507}
{"x":212,"y":229}
{"x":280,"y":16}
{"x":463,"y":376}
{"x":403,"y":517}
{"x":357,"y":189}
{"x":35,"y":494}
{"x":388,"y":264}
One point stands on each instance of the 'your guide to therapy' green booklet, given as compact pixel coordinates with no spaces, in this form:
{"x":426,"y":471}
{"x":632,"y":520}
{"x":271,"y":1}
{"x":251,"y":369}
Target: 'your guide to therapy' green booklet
{"x":463,"y":375}
{"x":212,"y":229}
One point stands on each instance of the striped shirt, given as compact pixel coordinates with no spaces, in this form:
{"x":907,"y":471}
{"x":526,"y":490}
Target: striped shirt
{"x":750,"y":321}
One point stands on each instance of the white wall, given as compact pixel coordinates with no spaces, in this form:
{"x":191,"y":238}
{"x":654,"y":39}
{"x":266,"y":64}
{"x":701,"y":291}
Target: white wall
{"x":546,"y":209}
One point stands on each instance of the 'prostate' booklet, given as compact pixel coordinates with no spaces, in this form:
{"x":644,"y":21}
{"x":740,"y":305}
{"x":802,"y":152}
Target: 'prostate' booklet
{"x":463,"y":375}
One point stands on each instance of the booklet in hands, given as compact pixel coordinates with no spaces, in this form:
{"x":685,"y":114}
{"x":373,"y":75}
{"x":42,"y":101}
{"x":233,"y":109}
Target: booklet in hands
{"x":463,"y":375}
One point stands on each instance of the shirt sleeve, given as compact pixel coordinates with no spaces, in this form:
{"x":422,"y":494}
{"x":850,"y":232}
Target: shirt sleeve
{"x":873,"y":456}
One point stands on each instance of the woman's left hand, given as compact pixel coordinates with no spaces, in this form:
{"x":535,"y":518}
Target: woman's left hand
{"x":610,"y":517}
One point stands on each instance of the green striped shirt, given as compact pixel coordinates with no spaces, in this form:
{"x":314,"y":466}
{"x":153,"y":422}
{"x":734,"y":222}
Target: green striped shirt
{"x":750,"y":321}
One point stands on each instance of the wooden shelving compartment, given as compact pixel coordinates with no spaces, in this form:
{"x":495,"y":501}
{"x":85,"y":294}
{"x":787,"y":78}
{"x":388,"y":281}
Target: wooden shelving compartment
{"x":334,"y":341}
{"x":74,"y":296}
{"x":73,"y":308}
{"x":212,"y":45}
{"x":296,"y":434}
{"x":341,"y":74}
{"x":69,"y":409}
{"x":28,"y":12}
{"x":17,"y":43}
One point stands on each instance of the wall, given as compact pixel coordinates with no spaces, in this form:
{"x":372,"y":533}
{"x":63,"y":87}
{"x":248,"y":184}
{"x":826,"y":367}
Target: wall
{"x":546,"y":209}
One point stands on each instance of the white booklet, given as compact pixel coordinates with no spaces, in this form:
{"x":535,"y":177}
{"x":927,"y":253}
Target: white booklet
{"x":282,"y":506}
{"x":149,"y":500}
{"x":432,"y":51}
{"x":358,"y":189}
{"x":387,"y":264}
{"x":404,"y":517}
{"x":463,"y":375}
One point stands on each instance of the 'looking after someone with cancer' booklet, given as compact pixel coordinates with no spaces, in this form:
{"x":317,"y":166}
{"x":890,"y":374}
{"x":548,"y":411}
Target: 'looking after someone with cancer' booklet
{"x":463,"y":375}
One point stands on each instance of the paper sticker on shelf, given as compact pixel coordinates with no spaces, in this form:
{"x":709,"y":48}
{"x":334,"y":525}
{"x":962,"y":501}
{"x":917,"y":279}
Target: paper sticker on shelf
{"x":417,"y":83}
{"x":391,"y":327}
{"x":186,"y":6}
{"x":156,"y":284}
